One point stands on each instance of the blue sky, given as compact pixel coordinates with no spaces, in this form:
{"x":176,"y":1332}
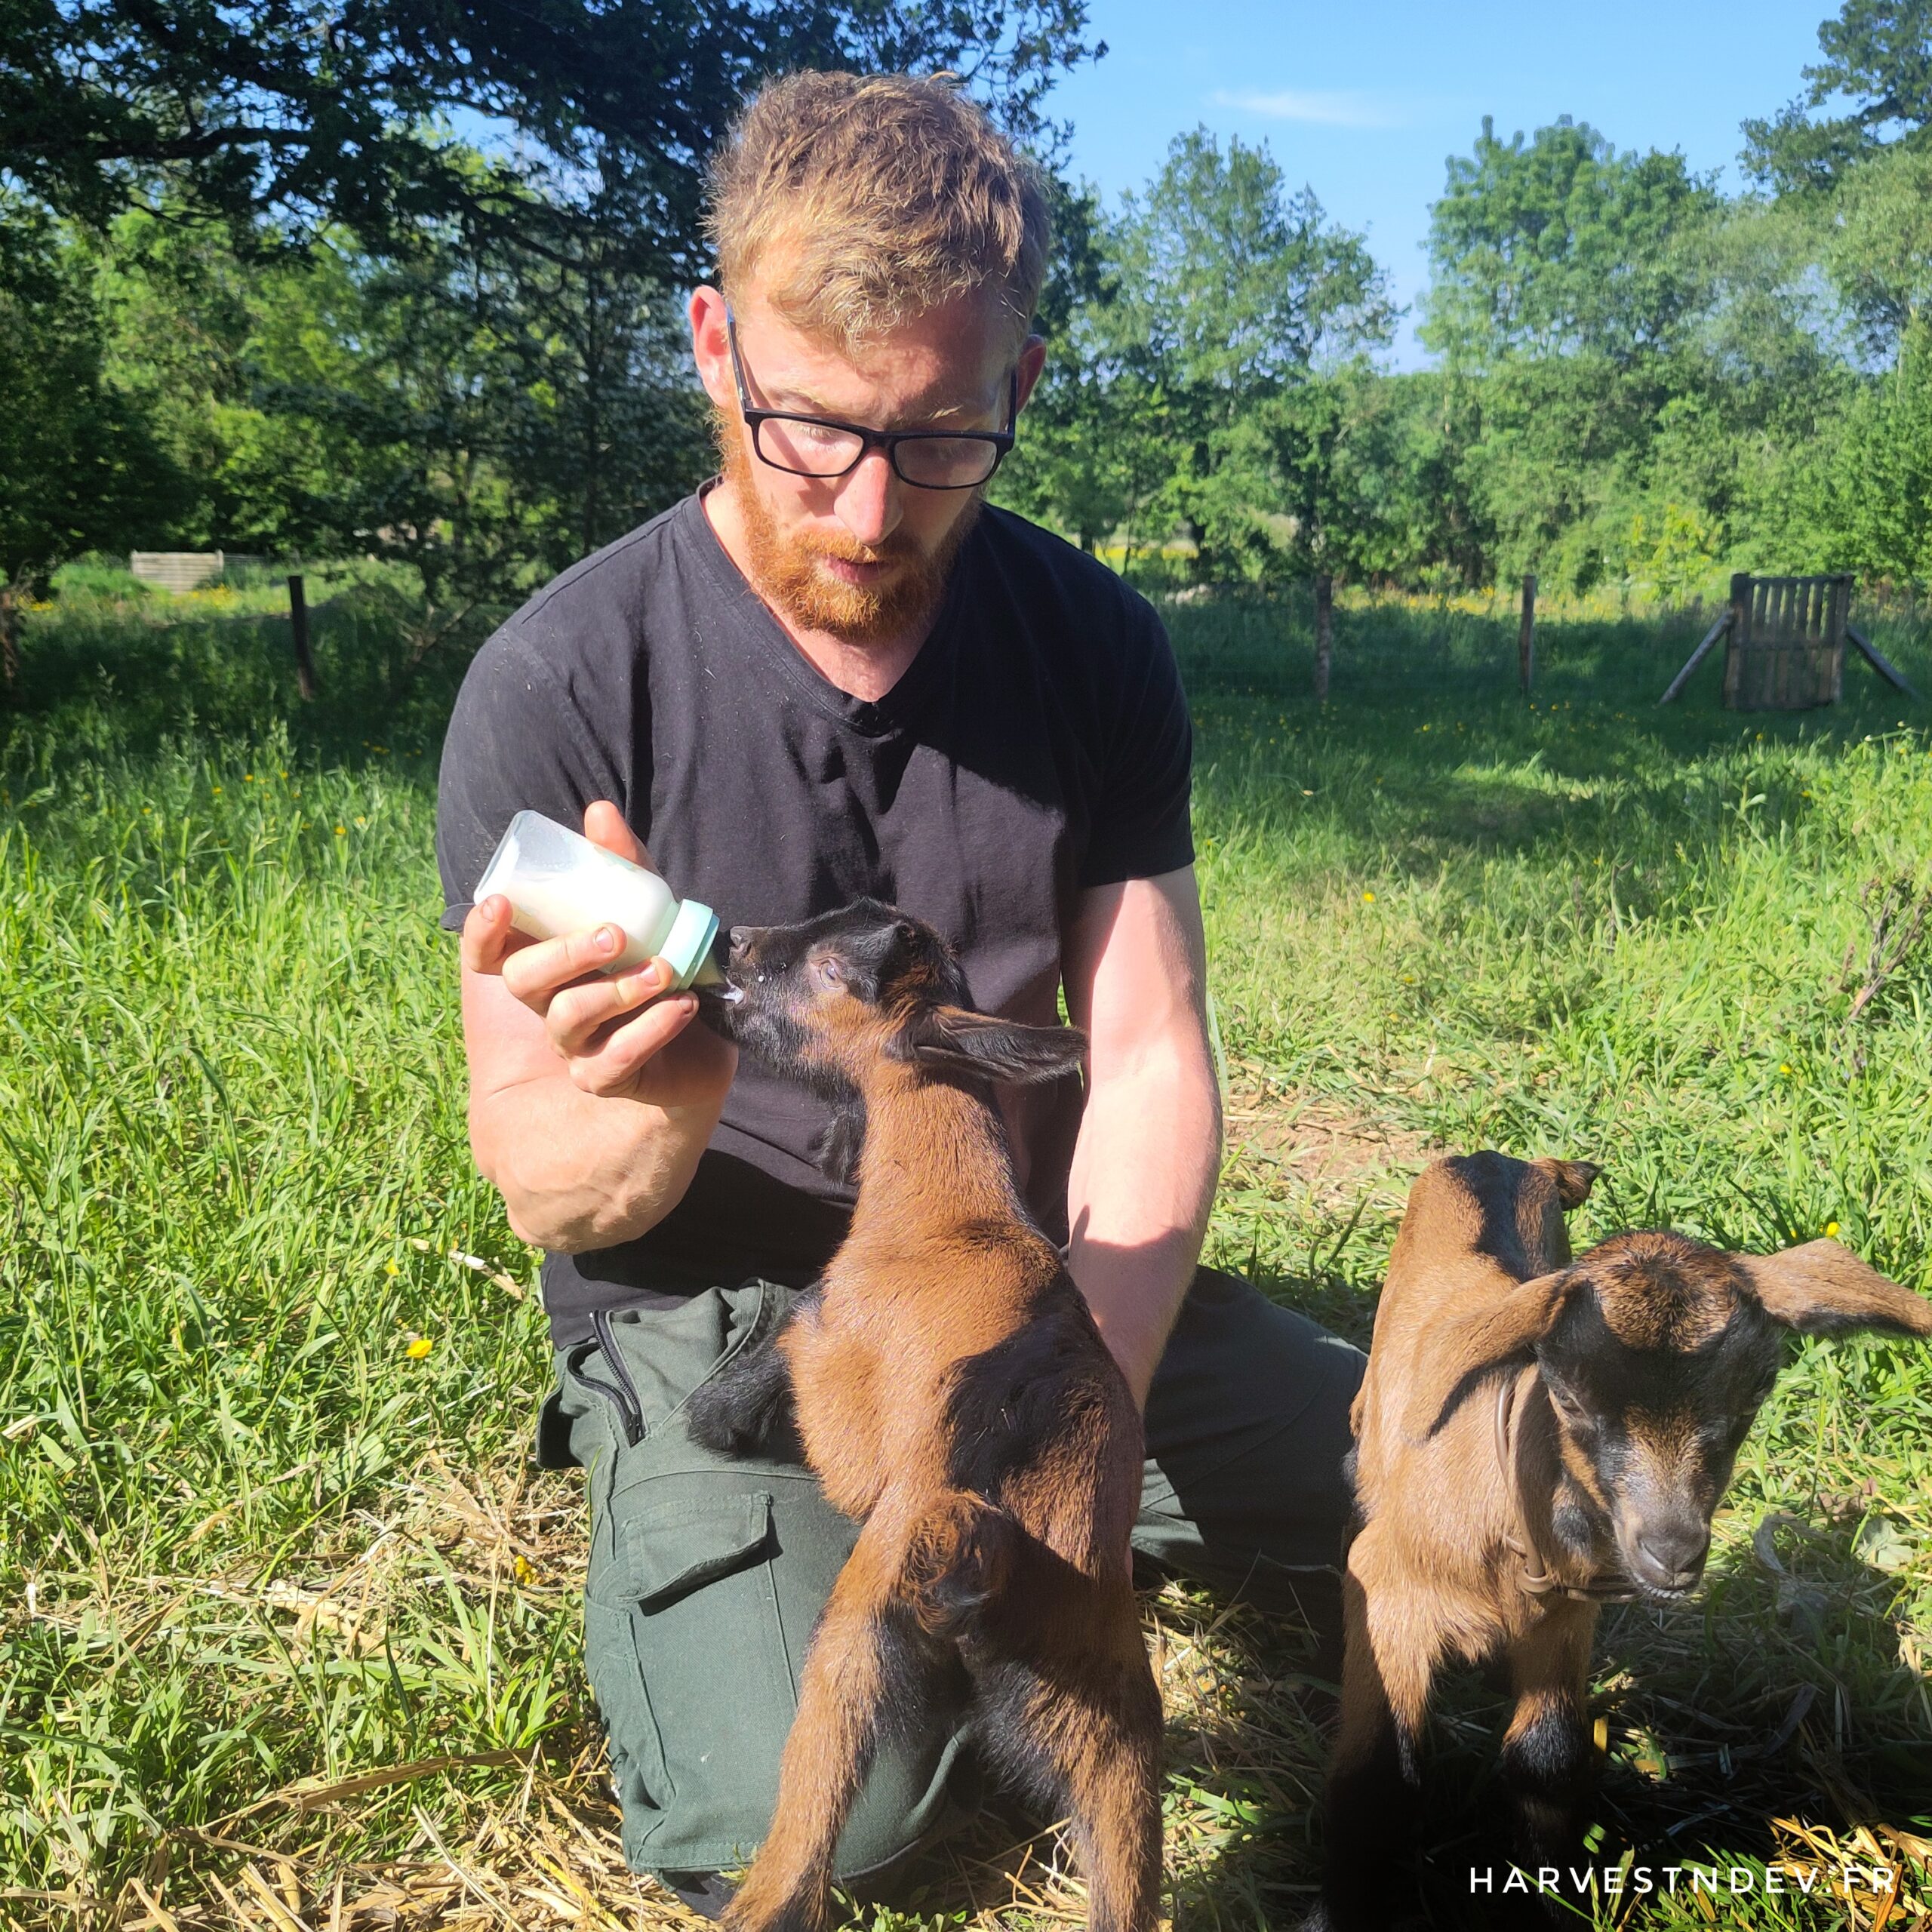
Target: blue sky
{"x":1364,"y":103}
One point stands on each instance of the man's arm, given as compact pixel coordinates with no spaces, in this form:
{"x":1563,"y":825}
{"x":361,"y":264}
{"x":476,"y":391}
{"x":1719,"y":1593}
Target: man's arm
{"x":589,"y":1107}
{"x":1148,"y":1155}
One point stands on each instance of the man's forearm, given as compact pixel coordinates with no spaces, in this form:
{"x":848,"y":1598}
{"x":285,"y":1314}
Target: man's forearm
{"x":1144,"y":1173}
{"x":579,"y":1171}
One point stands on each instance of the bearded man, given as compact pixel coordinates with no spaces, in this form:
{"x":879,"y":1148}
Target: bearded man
{"x":836,"y":672}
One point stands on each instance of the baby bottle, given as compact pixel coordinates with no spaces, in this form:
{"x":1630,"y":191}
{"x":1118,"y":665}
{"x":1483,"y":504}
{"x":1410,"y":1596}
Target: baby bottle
{"x":557,"y":882}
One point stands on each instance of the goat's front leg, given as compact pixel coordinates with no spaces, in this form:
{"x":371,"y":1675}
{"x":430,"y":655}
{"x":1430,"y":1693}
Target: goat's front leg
{"x":866,"y":1661}
{"x":1549,"y":1761}
{"x":748,"y":1408}
{"x":1393,"y":1637}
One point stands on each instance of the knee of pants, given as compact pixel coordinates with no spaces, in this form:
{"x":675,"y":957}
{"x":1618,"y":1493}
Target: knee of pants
{"x":703,"y":1590}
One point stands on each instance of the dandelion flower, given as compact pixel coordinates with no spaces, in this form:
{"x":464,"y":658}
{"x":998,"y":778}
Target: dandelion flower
{"x":1368,"y":898}
{"x":1831,"y":1227}
{"x":392,"y":1267}
{"x":419,"y":1347}
{"x":1784,"y":1066}
{"x":342,"y":832}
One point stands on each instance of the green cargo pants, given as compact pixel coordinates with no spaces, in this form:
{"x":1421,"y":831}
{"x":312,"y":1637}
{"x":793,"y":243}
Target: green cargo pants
{"x":707,"y":1574}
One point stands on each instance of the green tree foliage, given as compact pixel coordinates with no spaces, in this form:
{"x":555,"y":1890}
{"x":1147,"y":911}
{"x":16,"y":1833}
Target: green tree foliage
{"x":317,"y":117}
{"x":486,"y":420}
{"x":1563,"y":246}
{"x":1878,"y":55}
{"x":81,"y":465}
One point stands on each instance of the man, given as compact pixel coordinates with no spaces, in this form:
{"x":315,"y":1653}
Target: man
{"x":834,"y":672}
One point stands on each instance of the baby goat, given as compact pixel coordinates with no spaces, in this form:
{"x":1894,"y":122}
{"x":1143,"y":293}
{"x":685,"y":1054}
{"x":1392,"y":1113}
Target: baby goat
{"x":951,"y":1390}
{"x":1533,"y":1435}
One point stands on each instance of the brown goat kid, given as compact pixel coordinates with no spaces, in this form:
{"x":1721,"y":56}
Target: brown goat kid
{"x":1534,"y":1435}
{"x":950,"y":1389}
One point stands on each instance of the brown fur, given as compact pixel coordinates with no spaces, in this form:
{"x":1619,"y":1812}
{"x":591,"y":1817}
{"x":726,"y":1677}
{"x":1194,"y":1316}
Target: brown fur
{"x":1653,"y":1353}
{"x":952,"y":1392}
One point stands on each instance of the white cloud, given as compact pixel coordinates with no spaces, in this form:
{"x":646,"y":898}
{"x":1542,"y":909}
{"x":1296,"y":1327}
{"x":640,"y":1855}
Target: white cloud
{"x":1323,"y":109}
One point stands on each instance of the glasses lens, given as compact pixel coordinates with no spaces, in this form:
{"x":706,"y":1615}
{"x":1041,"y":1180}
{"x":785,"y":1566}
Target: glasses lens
{"x":807,"y":449}
{"x":946,"y":462}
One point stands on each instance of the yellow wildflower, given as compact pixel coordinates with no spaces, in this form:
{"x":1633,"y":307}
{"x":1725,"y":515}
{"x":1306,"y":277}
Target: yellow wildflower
{"x":419,"y":1347}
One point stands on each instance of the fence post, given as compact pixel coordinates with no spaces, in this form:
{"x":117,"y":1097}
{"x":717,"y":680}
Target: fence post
{"x":1526,"y":635}
{"x":1325,"y":634}
{"x":10,"y":651}
{"x":298,"y":627}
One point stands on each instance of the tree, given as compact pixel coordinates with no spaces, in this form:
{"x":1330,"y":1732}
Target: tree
{"x":1233,"y":290}
{"x":316,"y":116}
{"x":1878,"y":54}
{"x":1564,"y":245}
{"x":80,"y":465}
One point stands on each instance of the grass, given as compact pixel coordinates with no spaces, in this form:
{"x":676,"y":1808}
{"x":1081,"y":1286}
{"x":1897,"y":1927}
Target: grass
{"x":290,"y":1628}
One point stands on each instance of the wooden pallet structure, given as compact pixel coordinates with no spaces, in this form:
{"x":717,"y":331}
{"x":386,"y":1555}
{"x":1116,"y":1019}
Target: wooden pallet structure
{"x":1784,"y":645}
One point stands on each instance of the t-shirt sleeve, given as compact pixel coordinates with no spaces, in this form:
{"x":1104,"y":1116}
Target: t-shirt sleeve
{"x":1140,"y":825}
{"x":516,"y":741}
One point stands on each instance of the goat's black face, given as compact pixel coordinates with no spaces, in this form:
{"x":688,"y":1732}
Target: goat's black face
{"x":827,"y":1000}
{"x":1656,"y":1372}
{"x":809,"y":993}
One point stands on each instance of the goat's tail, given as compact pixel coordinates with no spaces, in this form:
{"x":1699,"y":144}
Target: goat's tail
{"x":958,"y":1558}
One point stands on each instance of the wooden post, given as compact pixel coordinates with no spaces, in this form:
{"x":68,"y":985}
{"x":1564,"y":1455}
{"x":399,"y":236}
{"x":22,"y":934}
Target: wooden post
{"x":1526,"y":635}
{"x":298,"y":627}
{"x":1325,"y":634}
{"x":10,"y":653}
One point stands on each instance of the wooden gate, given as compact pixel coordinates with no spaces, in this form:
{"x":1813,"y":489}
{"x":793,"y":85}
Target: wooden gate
{"x":1785,"y":651}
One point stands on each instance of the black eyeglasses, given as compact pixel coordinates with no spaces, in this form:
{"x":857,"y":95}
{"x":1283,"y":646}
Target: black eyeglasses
{"x":818,"y":446}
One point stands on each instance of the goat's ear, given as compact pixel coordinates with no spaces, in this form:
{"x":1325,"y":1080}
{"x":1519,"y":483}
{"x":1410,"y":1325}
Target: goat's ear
{"x":953,"y":1040}
{"x":1572,"y":1180}
{"x":1466,"y":1344}
{"x":1823,"y":1289}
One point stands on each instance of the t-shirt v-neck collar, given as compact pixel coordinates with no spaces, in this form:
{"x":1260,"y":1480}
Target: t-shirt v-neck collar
{"x":872,"y":719}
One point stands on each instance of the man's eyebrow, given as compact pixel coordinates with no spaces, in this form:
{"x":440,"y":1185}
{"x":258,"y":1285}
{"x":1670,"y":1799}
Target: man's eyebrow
{"x":799,"y":402}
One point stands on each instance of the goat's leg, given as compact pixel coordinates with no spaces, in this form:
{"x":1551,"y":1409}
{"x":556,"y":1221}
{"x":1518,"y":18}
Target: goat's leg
{"x":748,"y":1408}
{"x":1392,"y":1638}
{"x":1074,"y":1718}
{"x":1548,"y":1762}
{"x":864,"y":1660}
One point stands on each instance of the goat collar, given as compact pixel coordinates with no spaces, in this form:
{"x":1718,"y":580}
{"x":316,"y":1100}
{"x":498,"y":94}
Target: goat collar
{"x":1535,"y":1575}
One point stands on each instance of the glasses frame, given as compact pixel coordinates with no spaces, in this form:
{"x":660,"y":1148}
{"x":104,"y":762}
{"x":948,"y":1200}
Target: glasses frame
{"x":887,"y":440}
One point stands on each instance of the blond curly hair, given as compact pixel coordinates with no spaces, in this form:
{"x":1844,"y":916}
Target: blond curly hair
{"x":861,"y":201}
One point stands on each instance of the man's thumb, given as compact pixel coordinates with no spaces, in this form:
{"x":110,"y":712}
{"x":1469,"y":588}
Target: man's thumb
{"x":604,"y":825}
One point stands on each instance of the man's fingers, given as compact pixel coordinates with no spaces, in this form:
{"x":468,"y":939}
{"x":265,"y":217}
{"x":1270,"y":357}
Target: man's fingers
{"x":488,"y":938}
{"x":613,"y":1067}
{"x":578,"y":1013}
{"x":604,"y":825}
{"x":534,"y":974}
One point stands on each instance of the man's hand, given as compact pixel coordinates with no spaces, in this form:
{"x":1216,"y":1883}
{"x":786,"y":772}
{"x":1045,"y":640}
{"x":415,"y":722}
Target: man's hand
{"x":591,"y":1100}
{"x":610,"y":1049}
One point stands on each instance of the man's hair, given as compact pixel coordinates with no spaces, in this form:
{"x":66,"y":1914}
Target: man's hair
{"x":865,"y":200}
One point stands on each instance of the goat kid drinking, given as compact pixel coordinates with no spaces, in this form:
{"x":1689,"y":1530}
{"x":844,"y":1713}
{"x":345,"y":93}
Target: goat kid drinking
{"x":1532,"y":1435}
{"x":950,"y":1389}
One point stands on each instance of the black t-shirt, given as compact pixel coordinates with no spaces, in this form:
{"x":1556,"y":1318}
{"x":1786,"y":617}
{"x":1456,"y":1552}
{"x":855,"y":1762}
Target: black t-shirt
{"x":1038,"y":745}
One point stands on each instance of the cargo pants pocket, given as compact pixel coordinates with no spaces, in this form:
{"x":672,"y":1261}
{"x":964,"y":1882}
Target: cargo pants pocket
{"x":688,"y":1657}
{"x":707,"y":1576}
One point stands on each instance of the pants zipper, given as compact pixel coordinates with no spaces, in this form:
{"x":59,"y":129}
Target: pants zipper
{"x":623,"y":1391}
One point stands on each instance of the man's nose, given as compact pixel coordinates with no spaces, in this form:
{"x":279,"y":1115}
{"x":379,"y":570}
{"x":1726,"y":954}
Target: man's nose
{"x":869,"y":504}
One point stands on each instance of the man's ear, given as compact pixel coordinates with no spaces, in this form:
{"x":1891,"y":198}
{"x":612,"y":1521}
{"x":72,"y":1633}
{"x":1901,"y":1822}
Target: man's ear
{"x":953,"y":1039}
{"x":1572,"y":1180}
{"x":1823,"y":1289}
{"x":1464,"y":1347}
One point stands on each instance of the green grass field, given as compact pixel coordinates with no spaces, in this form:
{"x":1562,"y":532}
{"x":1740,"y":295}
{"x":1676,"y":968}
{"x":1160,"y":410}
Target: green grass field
{"x":290,"y":1633}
